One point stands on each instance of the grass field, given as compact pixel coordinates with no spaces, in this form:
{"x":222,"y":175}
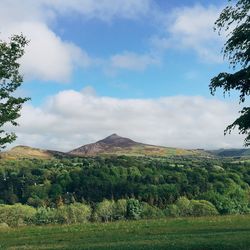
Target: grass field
{"x":229,"y":232}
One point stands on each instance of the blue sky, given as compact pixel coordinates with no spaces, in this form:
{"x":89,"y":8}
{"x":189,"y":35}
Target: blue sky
{"x":179,"y":72}
{"x":115,"y":53}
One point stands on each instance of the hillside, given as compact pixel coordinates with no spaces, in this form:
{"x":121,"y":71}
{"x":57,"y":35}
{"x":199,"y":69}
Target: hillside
{"x":244,"y":152}
{"x":30,"y":153}
{"x":111,"y":145}
{"x":117,"y":145}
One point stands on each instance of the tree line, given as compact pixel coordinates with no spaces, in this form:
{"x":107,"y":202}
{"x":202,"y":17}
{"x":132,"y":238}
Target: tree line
{"x":159,"y":182}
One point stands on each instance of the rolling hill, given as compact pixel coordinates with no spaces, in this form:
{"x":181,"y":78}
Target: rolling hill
{"x":233,"y":152}
{"x":111,"y":145}
{"x":30,"y":153}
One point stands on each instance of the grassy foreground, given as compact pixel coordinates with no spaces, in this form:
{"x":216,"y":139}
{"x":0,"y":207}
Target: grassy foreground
{"x":229,"y":232}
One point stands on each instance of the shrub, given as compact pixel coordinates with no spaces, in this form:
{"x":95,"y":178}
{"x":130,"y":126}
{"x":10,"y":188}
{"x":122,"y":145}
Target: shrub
{"x":16,"y":215}
{"x":134,"y":209}
{"x":45,"y":216}
{"x":120,"y":209}
{"x":35,"y":202}
{"x":203,"y":208}
{"x":4,"y":225}
{"x":105,"y":211}
{"x":150,"y":212}
{"x":172,"y":210}
{"x":184,"y":206}
{"x":73,"y":213}
{"x":234,"y":201}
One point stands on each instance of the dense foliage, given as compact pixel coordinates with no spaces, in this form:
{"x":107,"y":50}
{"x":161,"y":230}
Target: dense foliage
{"x":236,"y":19}
{"x":10,"y":80}
{"x":221,"y":185}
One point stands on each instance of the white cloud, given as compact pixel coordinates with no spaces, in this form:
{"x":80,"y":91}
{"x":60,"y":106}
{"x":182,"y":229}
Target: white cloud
{"x":133,"y":61}
{"x":191,"y":28}
{"x":48,"y":57}
{"x":70,"y":119}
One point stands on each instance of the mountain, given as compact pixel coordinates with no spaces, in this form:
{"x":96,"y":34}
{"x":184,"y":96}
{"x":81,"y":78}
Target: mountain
{"x":29,"y":152}
{"x":117,"y":145}
{"x":111,"y":145}
{"x":233,"y":152}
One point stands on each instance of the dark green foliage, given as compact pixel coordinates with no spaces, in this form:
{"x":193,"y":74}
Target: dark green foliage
{"x":162,"y":181}
{"x":232,"y":201}
{"x":120,"y":209}
{"x":237,"y":50}
{"x":10,"y":80}
{"x":243,"y":122}
{"x":134,"y":209}
{"x":45,"y":216}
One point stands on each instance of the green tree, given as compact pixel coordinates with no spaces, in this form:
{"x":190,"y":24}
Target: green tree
{"x":10,"y":80}
{"x":134,"y":209}
{"x":73,"y":213}
{"x":105,"y":210}
{"x":236,"y":19}
{"x":184,"y":205}
{"x":203,"y":208}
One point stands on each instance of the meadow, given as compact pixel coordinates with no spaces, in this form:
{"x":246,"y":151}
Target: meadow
{"x":203,"y":233}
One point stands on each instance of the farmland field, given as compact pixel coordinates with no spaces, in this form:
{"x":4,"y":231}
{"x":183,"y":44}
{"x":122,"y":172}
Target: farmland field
{"x":222,"y":232}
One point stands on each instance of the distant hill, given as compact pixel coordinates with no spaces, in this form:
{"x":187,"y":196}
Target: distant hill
{"x":117,"y":145}
{"x":30,"y":153}
{"x":111,"y":145}
{"x":244,"y":152}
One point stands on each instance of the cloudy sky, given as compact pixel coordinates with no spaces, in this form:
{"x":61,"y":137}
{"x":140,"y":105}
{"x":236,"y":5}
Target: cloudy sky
{"x":139,"y":68}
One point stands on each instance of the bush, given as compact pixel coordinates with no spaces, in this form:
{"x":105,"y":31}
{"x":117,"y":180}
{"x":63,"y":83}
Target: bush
{"x":105,"y":211}
{"x":150,"y":212}
{"x":234,"y":201}
{"x":184,"y":206}
{"x":16,"y":215}
{"x":45,"y":216}
{"x":134,"y":209}
{"x":120,"y":209}
{"x":4,"y":225}
{"x":35,"y":202}
{"x":172,"y":210}
{"x":203,"y":208}
{"x":73,"y":213}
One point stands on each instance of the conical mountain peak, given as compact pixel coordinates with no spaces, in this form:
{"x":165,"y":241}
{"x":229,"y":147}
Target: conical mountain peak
{"x":111,"y":144}
{"x":117,"y":141}
{"x":117,"y":145}
{"x":113,"y":136}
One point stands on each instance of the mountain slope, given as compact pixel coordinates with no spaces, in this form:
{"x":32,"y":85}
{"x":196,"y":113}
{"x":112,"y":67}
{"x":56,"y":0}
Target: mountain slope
{"x":117,"y":145}
{"x":243,"y":152}
{"x":30,"y":153}
{"x":111,"y":145}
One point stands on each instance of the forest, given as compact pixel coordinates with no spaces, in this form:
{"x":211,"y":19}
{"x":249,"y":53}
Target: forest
{"x":120,"y":187}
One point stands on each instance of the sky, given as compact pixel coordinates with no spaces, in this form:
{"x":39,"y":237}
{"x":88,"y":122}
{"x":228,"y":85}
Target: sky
{"x":138,"y":68}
